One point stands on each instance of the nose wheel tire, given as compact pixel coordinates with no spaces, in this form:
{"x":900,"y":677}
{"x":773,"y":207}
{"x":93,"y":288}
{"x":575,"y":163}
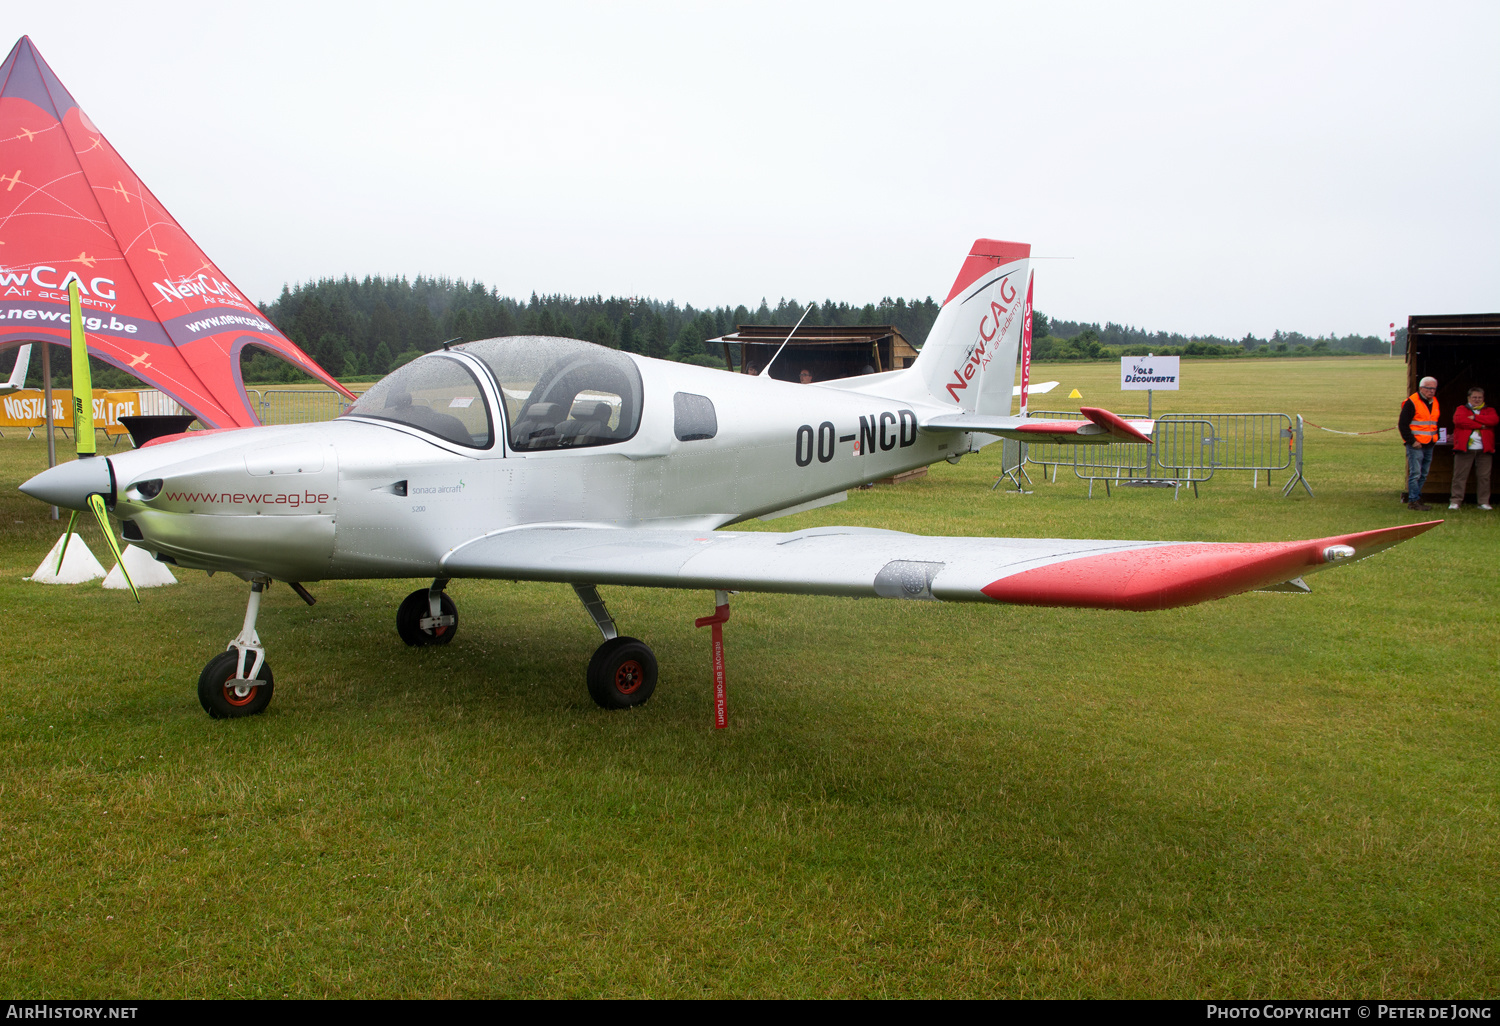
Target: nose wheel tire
{"x":622,"y":673}
{"x":414,"y":609}
{"x":224,"y":697}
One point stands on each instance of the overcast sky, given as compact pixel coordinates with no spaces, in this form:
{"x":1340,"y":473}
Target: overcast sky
{"x":1204,"y":168}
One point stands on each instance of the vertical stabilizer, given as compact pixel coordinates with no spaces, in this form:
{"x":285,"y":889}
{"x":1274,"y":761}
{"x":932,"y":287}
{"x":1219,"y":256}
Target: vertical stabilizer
{"x":969,"y":359}
{"x":18,"y":372}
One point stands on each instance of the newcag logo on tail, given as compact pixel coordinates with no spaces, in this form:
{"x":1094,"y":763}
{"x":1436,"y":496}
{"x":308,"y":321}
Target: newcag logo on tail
{"x":993,"y":325}
{"x":996,"y":314}
{"x":969,"y":358}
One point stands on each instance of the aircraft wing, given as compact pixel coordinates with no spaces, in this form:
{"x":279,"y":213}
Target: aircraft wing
{"x":1100,"y":427}
{"x":864,"y":562}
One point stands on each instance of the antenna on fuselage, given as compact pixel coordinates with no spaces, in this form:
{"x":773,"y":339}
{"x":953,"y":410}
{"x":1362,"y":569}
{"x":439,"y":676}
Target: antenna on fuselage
{"x":450,"y":342}
{"x":767,"y":368}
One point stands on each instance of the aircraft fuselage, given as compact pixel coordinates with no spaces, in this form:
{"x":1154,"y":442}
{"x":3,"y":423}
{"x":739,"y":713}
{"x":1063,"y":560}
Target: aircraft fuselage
{"x":359,"y":497}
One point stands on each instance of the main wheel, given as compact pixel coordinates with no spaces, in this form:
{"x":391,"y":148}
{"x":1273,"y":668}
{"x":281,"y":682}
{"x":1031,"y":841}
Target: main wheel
{"x":414,"y":609}
{"x":223,"y":697}
{"x":622,"y":673}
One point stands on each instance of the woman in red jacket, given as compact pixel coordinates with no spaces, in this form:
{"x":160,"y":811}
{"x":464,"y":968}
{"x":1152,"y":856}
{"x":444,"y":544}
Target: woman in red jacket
{"x":1473,"y":446}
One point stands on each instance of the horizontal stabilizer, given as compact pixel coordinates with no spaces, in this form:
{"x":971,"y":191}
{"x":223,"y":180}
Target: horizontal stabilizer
{"x":1100,"y":427}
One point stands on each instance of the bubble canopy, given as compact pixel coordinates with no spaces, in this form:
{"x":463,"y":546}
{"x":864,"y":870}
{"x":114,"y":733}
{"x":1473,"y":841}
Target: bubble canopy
{"x":562,"y":393}
{"x":558,"y":393}
{"x":436,"y":394}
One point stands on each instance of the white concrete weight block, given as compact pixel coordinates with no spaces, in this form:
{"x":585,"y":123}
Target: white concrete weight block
{"x":144,"y":570}
{"x":79,"y":565}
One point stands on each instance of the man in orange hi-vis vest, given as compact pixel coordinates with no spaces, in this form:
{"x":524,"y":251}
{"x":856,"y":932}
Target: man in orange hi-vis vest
{"x":1419,"y":430}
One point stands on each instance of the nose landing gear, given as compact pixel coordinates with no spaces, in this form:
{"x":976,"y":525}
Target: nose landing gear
{"x":427,"y":616}
{"x":238,"y":682}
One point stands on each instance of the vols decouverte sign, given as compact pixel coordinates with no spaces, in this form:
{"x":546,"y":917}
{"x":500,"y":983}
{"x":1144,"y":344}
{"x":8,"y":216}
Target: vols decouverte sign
{"x":1140,"y":373}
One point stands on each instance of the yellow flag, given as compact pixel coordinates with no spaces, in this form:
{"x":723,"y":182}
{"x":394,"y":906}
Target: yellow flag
{"x":83,"y":384}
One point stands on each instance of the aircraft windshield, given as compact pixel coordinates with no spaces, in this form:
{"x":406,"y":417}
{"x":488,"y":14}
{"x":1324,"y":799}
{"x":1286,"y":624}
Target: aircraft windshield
{"x":561,"y":393}
{"x":437,"y":395}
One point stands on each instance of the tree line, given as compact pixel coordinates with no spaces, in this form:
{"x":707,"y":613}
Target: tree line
{"x":360,"y":327}
{"x":1055,"y":339}
{"x":365,"y":327}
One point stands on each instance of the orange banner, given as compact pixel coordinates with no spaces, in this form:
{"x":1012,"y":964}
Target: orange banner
{"x":26,"y":409}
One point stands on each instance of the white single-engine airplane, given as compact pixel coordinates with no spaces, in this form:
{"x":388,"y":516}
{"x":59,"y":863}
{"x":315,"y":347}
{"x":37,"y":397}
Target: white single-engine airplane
{"x":551,"y":459}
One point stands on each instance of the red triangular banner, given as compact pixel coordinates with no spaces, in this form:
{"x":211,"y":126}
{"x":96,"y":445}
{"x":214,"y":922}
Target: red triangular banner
{"x":153,"y":303}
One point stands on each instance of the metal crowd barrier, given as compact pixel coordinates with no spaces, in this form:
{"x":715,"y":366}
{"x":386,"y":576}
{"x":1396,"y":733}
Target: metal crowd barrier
{"x":1295,"y":445}
{"x":1053,"y":454}
{"x":1187,"y":448}
{"x":1256,"y":442}
{"x":296,"y":405}
{"x":1012,"y":463}
{"x":1248,"y":441}
{"x":1112,"y":462}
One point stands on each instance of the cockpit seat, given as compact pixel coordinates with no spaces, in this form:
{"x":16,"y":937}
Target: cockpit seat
{"x":444,"y":425}
{"x":537,"y":428}
{"x":592,"y":424}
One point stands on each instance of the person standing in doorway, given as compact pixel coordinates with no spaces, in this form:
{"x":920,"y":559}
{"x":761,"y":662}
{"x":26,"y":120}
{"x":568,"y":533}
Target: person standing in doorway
{"x":1419,"y":430}
{"x":1473,"y":446}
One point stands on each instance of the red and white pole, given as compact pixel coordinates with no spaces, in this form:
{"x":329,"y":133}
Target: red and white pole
{"x":1392,"y":351}
{"x":721,"y":614}
{"x":1026,"y":347}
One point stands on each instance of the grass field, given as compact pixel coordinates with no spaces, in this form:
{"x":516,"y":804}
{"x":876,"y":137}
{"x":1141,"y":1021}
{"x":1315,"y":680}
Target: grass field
{"x":1269,"y":795}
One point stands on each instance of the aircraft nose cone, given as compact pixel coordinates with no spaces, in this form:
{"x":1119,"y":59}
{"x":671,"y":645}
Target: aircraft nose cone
{"x":69,"y":485}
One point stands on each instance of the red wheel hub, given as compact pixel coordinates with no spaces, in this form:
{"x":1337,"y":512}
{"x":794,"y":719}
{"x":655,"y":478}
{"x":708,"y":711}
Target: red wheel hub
{"x":237,"y":693}
{"x":628,"y":677}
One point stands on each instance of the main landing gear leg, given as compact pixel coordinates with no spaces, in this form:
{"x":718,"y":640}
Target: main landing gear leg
{"x":427,"y":616}
{"x":238,"y":682}
{"x":622,"y":672}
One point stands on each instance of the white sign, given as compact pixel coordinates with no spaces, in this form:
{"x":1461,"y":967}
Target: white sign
{"x":1139,"y":373}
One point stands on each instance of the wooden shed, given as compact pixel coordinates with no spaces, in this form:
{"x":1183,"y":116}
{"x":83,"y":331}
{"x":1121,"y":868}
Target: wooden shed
{"x":827,"y":351}
{"x":1461,"y":351}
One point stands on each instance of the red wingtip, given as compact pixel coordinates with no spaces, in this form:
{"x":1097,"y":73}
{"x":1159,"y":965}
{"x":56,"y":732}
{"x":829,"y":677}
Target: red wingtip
{"x":1164,"y":576}
{"x":1114,"y":424}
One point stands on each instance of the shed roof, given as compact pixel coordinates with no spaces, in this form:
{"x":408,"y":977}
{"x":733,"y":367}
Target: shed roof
{"x":821,"y":334}
{"x":1457,"y":326}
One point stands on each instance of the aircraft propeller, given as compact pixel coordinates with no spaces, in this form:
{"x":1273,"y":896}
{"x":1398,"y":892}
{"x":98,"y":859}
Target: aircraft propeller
{"x":83,"y":436}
